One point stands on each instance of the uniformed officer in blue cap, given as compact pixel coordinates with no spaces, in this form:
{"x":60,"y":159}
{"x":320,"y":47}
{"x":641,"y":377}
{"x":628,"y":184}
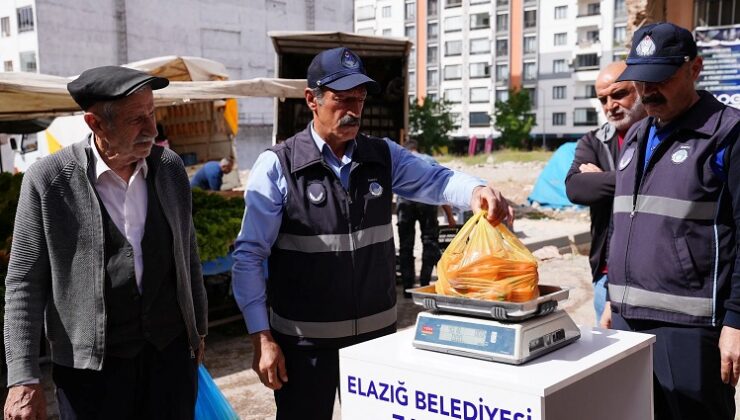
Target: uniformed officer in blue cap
{"x":673,"y":260}
{"x":319,"y":210}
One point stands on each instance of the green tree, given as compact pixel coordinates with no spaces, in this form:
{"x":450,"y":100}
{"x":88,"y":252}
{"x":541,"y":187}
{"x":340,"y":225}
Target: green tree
{"x":514,"y":119}
{"x":429,"y":124}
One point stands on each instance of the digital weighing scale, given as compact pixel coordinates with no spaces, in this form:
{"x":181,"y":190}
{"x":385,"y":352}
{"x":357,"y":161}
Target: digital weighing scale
{"x":507,"y":332}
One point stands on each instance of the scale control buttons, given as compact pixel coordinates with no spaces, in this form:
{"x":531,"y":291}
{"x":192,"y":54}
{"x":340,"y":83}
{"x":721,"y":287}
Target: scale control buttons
{"x":494,"y":336}
{"x":546,"y":340}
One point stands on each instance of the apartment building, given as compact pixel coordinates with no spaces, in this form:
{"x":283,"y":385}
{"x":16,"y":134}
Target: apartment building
{"x":65,"y":37}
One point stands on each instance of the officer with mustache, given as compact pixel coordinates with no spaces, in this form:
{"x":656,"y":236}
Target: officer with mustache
{"x":319,"y":211}
{"x":590,"y":180}
{"x":673,"y":260}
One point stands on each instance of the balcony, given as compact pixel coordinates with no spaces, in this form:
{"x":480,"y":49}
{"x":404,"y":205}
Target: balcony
{"x":588,"y":20}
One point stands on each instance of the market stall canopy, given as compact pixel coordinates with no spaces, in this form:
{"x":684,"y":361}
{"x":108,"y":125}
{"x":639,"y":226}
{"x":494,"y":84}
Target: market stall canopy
{"x":182,"y":68}
{"x":26,"y":96}
{"x":364,"y":45}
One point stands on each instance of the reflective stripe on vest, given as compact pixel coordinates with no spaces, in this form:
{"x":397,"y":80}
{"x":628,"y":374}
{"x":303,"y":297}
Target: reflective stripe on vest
{"x":669,"y":207}
{"x":694,"y":306}
{"x":333,"y":329}
{"x":344,"y":242}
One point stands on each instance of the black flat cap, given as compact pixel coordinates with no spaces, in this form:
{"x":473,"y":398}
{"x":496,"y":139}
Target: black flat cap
{"x":109,"y":83}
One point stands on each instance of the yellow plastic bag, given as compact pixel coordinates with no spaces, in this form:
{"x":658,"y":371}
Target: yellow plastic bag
{"x":487,"y":262}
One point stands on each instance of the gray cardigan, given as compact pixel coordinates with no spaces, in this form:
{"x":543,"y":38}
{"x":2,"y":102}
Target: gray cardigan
{"x":57,"y":269}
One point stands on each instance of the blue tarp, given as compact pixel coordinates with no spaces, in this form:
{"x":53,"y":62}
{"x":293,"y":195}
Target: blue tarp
{"x":549,"y":190}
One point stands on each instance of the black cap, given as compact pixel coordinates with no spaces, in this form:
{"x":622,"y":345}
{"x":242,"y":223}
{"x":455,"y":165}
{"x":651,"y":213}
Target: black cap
{"x":339,"y":69}
{"x":109,"y":83}
{"x":658,"y":50}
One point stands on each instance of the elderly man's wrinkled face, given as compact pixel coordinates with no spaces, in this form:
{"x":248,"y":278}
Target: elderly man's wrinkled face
{"x":670,"y":98}
{"x":621,"y":104}
{"x":127,"y":128}
{"x":337,"y":113}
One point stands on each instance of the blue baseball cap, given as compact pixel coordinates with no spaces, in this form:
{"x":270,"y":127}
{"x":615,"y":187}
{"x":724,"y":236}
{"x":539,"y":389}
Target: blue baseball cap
{"x":339,"y":69}
{"x":658,"y":50}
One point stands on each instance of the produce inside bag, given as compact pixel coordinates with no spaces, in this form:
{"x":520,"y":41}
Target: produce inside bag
{"x":487,"y":262}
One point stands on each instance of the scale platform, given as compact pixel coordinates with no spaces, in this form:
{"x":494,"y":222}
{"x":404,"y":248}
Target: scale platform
{"x":506,"y":332}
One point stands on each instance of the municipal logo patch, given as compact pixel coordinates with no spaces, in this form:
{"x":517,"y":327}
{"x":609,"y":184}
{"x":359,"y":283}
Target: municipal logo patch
{"x":646,"y":47}
{"x":679,"y":156}
{"x":376,"y":190}
{"x":626,"y":158}
{"x":349,"y":60}
{"x":316,"y":193}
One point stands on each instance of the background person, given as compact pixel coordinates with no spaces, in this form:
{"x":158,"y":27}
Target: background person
{"x":590,"y":180}
{"x":408,"y":213}
{"x":673,"y":261}
{"x":210,"y":176}
{"x":318,"y":208}
{"x":104,"y":258}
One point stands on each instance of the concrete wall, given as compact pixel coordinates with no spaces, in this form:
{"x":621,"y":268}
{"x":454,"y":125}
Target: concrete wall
{"x":250,"y":142}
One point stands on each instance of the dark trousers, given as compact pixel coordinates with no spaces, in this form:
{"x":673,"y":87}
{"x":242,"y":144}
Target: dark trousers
{"x":313,"y":380}
{"x":153,"y":384}
{"x":686,"y":371}
{"x":408,"y":214}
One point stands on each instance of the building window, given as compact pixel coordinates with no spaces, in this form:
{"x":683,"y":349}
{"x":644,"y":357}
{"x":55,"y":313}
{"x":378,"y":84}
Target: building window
{"x":433,"y":78}
{"x":453,"y":95}
{"x":386,"y":11}
{"x":561,"y":12}
{"x":453,"y":3}
{"x":587,"y":61}
{"x":502,"y":22}
{"x":25,"y":20}
{"x":432,"y":54}
{"x":8,"y":65}
{"x":558,"y":92}
{"x":620,"y":8}
{"x":365,"y":13}
{"x":480,"y":21}
{"x":453,"y":48}
{"x":479,"y":94}
{"x":410,"y":12}
{"x":559,"y":66}
{"x":585,"y":116}
{"x":432,"y":8}
{"x":502,"y":3}
{"x":479,"y":1}
{"x":387,"y":32}
{"x":411,"y":33}
{"x":502,"y":95}
{"x":480,"y":46}
{"x":453,"y":72}
{"x":530,"y":44}
{"x":530,"y":71}
{"x":560,"y":38}
{"x":530,"y":18}
{"x":432,"y":31}
{"x":479,"y":70}
{"x":412,"y":81}
{"x":586,"y":92}
{"x":453,"y":23}
{"x":502,"y":72}
{"x":479,"y":119}
{"x":5,"y":26}
{"x":28,"y":61}
{"x":592,"y":36}
{"x":532,"y":93}
{"x":502,"y":47}
{"x":593,"y":9}
{"x":620,"y":36}
{"x":558,"y":118}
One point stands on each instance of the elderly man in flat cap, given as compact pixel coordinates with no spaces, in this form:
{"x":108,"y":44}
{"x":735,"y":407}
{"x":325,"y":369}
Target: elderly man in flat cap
{"x":104,"y":256}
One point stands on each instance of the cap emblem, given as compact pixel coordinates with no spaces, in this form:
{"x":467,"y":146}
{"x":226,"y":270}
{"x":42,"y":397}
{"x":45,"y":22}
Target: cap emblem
{"x":646,"y":47}
{"x":376,"y":190}
{"x":349,"y":60}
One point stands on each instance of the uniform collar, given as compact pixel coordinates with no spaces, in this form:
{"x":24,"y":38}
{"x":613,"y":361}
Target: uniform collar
{"x":306,"y":150}
{"x":703,"y":117}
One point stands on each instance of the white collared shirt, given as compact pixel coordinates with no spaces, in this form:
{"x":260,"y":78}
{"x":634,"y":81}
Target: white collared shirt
{"x":126,"y":203}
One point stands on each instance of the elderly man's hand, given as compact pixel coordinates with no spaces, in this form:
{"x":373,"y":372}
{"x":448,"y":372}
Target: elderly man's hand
{"x":498,"y":210}
{"x":729,"y":351}
{"x":25,"y":402}
{"x":268,"y":361}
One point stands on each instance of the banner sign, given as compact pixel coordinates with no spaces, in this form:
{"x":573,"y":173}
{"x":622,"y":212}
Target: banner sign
{"x":720,"y":49}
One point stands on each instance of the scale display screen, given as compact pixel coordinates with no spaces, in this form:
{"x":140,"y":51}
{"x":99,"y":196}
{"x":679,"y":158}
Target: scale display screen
{"x":451,"y":333}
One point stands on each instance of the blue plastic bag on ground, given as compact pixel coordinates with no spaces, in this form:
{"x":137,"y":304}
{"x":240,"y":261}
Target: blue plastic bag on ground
{"x":211,"y":403}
